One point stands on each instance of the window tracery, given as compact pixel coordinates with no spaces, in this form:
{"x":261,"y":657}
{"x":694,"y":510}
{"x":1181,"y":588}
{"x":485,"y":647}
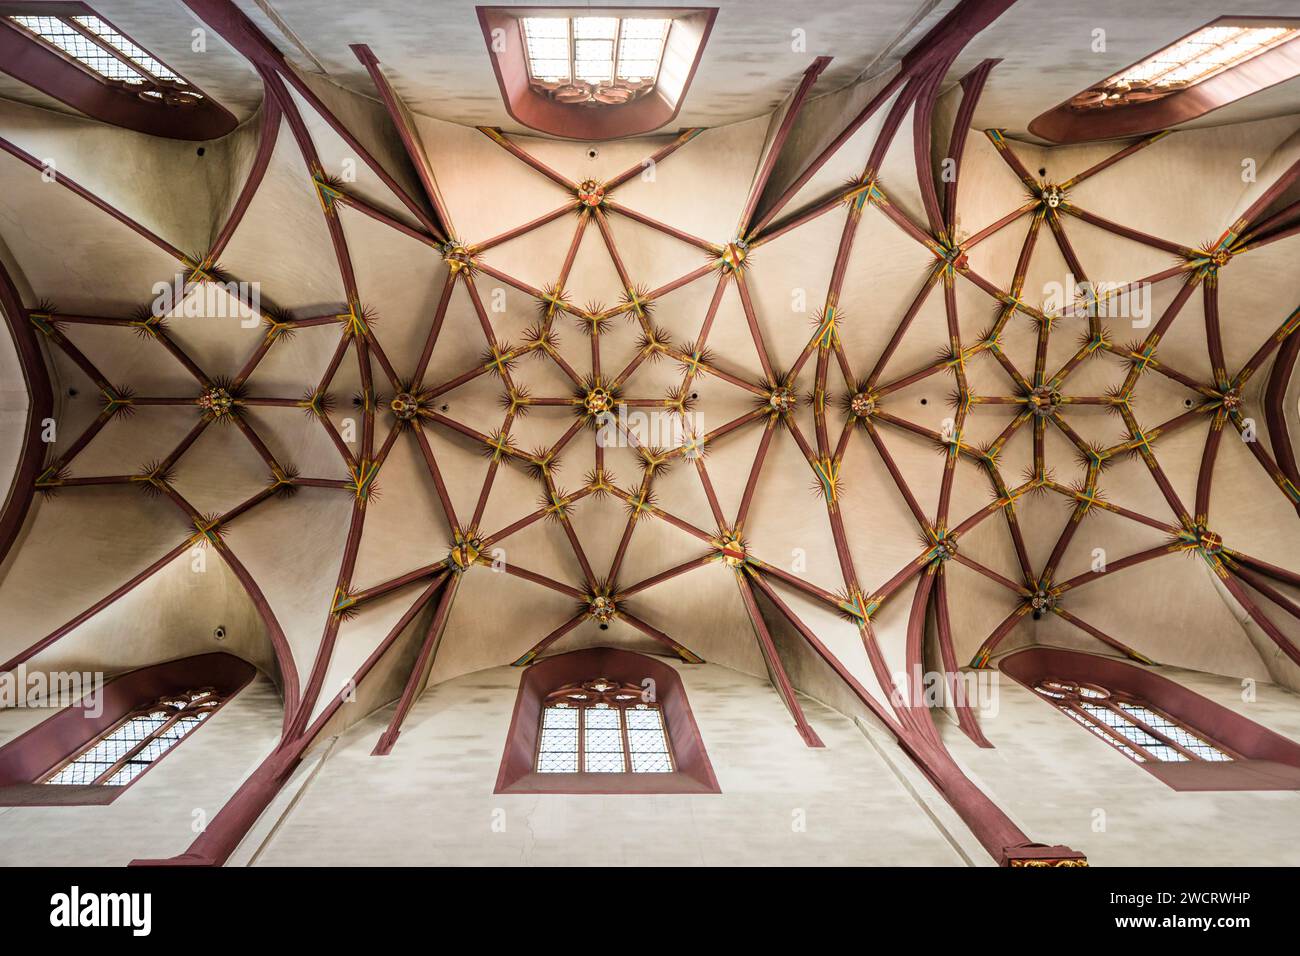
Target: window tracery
{"x":601,"y":726}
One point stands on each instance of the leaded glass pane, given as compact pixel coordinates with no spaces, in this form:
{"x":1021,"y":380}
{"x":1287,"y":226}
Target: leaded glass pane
{"x":118,"y":42}
{"x":602,"y":744}
{"x":557,"y":748}
{"x":1179,"y":735}
{"x":560,"y":717}
{"x":640,"y":46}
{"x":651,"y":763}
{"x":604,"y":762}
{"x":1133,"y":733}
{"x":80,"y":47}
{"x":648,"y":741}
{"x":594,"y":50}
{"x":602,"y":718}
{"x":557,"y":762}
{"x":602,"y":28}
{"x":1127,"y":751}
{"x":146,"y":737}
{"x":604,"y":730}
{"x":644,"y":718}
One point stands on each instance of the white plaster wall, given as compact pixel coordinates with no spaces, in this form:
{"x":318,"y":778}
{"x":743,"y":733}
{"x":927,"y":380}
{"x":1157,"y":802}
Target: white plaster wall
{"x":431,"y":801}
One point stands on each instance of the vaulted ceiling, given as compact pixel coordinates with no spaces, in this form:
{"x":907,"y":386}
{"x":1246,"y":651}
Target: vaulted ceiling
{"x":861,"y":419}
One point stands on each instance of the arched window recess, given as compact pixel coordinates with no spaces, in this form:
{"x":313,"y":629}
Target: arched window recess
{"x":628,"y":730}
{"x":70,"y":52}
{"x":91,"y":751}
{"x":1185,"y":739}
{"x":1140,"y":731}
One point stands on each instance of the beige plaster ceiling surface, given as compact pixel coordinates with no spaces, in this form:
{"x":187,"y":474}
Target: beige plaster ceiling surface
{"x":364,"y":302}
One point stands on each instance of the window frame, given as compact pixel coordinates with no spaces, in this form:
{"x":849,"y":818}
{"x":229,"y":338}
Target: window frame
{"x":601,"y":693}
{"x":32,"y":60}
{"x":203,"y":700}
{"x":1068,"y":697}
{"x":1113,"y":83}
{"x":692,"y":772}
{"x":28,"y":760}
{"x":1065,"y":123}
{"x":182,"y":92}
{"x":683,"y":48}
{"x":1262,"y":759}
{"x":557,"y":89}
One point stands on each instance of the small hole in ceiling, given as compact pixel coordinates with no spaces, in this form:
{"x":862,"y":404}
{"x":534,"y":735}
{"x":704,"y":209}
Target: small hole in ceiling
{"x":604,"y":627}
{"x":925,"y":401}
{"x":1042,"y":170}
{"x":200,"y":151}
{"x":592,"y":152}
{"x":72,"y":393}
{"x":445,"y":407}
{"x":1187,"y":403}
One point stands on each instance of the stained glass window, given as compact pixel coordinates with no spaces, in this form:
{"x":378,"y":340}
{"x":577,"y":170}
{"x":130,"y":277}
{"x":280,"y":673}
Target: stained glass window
{"x":1135,"y":728}
{"x":599,"y":60}
{"x":126,"y":751}
{"x":99,"y":47}
{"x":601,"y":726}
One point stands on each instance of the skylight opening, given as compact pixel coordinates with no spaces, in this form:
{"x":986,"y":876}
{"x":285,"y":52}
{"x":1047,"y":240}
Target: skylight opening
{"x":594,"y":60}
{"x":1192,"y":60}
{"x":98,"y":47}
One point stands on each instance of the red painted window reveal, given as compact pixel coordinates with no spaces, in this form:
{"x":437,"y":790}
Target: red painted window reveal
{"x":1083,"y":117}
{"x":72,"y":53}
{"x":533,"y":105}
{"x":629,"y":730}
{"x":1189,"y":742}
{"x":54,"y":762}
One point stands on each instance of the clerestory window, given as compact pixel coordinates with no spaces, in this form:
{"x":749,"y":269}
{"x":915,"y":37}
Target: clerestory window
{"x":1135,"y":728}
{"x":601,"y":726}
{"x":594,"y":60}
{"x":1195,"y":58}
{"x":138,"y":741}
{"x":99,"y":48}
